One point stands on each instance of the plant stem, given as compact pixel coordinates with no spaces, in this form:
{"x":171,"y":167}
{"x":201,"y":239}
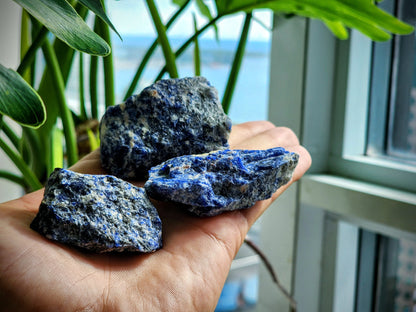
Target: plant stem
{"x":163,"y":40}
{"x":31,"y":52}
{"x":25,"y":41}
{"x":57,"y":151}
{"x":9,"y":133}
{"x":104,"y":31}
{"x":186,"y":44}
{"x":94,"y":80}
{"x":31,"y":140}
{"x":83,"y":110}
{"x":197,"y":57}
{"x":30,"y":178}
{"x":271,"y":271}
{"x":14,"y":178}
{"x":93,"y":86}
{"x":65,"y":113}
{"x":149,"y":53}
{"x":235,"y":67}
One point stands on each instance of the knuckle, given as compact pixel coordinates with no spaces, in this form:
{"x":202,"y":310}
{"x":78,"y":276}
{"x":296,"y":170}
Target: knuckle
{"x":286,"y":135}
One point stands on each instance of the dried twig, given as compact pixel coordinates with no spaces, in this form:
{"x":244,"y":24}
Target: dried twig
{"x":273,"y":274}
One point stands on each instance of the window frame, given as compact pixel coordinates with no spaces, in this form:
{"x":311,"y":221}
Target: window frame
{"x":319,"y":87}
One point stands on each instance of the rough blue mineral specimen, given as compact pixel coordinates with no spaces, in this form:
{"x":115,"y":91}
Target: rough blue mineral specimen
{"x":170,"y":118}
{"x":224,"y":180}
{"x":99,"y":213}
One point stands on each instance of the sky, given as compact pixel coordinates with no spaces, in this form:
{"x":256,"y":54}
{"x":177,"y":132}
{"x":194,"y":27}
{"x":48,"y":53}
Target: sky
{"x":132,"y":17}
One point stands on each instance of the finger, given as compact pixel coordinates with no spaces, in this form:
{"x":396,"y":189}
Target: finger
{"x":244,"y":131}
{"x":272,"y":137}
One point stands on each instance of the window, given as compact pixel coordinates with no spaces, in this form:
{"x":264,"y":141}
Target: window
{"x":396,"y":284}
{"x":392,"y":121}
{"x":326,"y":91}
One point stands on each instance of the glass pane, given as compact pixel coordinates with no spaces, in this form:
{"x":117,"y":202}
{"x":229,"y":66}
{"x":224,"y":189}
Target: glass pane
{"x":402,"y":131}
{"x":396,"y":287}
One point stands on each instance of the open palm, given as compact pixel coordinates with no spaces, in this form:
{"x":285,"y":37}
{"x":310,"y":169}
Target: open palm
{"x":187,"y":274}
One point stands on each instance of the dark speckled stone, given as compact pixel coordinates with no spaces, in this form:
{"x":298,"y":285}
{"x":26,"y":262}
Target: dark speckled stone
{"x":220,"y":181}
{"x":170,"y":118}
{"x":99,"y":213}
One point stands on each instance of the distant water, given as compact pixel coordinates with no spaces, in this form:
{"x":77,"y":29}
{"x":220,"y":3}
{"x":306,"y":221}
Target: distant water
{"x":250,"y":99}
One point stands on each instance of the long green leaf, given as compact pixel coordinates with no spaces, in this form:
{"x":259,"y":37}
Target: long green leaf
{"x":205,"y":11}
{"x":179,"y":2}
{"x":337,"y":29}
{"x":97,"y":7}
{"x":364,"y":16}
{"x":19,"y":101}
{"x":64,"y":22}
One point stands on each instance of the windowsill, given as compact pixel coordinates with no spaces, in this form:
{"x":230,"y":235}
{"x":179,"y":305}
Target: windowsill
{"x":385,"y":162}
{"x":378,"y":208}
{"x":379,"y":171}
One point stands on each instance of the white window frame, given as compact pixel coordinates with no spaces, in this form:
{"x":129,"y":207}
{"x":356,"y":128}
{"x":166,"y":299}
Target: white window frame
{"x":319,"y":87}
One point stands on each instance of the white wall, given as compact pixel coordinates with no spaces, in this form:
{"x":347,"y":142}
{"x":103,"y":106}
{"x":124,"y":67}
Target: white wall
{"x":9,"y":57}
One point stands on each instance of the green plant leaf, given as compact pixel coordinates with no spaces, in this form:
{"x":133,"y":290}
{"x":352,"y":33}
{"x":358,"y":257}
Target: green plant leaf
{"x":64,"y":22}
{"x":221,"y":6}
{"x":19,"y":101}
{"x":337,"y":28}
{"x":97,"y":7}
{"x":204,"y":10}
{"x":364,"y":16}
{"x":179,"y":2}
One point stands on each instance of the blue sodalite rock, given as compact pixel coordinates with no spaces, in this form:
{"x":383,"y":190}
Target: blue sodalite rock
{"x":170,"y":118}
{"x":224,"y":180}
{"x":99,"y":213}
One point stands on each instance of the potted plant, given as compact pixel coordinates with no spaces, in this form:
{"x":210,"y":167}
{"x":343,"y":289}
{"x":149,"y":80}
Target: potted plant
{"x":59,"y":30}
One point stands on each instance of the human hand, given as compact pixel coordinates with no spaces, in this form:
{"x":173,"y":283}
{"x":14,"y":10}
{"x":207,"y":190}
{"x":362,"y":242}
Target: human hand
{"x":187,"y":274}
